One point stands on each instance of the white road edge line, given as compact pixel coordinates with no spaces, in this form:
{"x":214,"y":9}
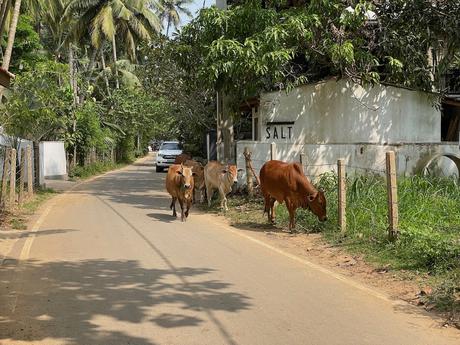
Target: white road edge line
{"x":25,"y":252}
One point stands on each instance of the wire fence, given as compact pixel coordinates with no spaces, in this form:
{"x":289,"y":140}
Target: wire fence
{"x":385,"y":167}
{"x":16,"y":174}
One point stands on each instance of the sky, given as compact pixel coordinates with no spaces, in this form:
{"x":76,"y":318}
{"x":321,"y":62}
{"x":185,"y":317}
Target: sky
{"x":195,"y":7}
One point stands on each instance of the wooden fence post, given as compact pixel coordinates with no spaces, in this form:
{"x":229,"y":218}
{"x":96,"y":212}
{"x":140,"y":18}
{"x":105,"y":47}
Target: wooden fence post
{"x":302,"y":161}
{"x":22,"y":176}
{"x":392,"y":190}
{"x":249,"y":175}
{"x":272,"y":151}
{"x":6,"y":168}
{"x":13,"y":177}
{"x":30,"y":176}
{"x":342,"y":195}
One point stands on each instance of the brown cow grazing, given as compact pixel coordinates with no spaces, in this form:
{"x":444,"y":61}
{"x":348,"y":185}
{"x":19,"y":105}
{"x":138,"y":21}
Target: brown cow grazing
{"x":220,"y":177}
{"x":179,"y":184}
{"x":198,"y":169}
{"x":182,"y":158}
{"x":286,"y":182}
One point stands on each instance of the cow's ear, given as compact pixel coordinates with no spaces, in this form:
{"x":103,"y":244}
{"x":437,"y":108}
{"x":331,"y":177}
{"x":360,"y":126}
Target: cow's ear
{"x":312,"y":197}
{"x":179,"y":172}
{"x":193,"y":173}
{"x":224,"y":171}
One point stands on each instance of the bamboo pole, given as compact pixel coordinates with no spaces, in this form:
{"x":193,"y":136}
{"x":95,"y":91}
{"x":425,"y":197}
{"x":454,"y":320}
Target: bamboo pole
{"x":12,"y":177}
{"x":342,"y":195}
{"x":22,"y":176}
{"x":392,"y":189}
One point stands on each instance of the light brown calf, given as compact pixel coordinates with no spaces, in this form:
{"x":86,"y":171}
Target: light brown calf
{"x":219,"y":177}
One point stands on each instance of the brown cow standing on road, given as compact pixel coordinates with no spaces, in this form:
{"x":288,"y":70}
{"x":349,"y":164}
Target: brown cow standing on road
{"x":198,"y":169}
{"x":180,"y":159}
{"x":286,"y":182}
{"x":179,"y":184}
{"x":220,"y":177}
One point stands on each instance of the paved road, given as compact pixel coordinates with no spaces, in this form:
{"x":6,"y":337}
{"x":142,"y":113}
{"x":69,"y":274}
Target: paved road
{"x":107,"y":264}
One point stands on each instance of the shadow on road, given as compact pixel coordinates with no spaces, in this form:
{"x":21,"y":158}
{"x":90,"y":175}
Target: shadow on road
{"x":162,"y":217}
{"x":76,"y":300}
{"x":22,"y":233}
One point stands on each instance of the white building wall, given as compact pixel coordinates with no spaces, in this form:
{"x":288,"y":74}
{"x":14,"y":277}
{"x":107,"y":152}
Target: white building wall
{"x":52,"y":160}
{"x":342,"y":120}
{"x":344,"y":112}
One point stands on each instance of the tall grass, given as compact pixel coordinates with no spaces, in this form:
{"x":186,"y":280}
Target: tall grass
{"x":429,"y":213}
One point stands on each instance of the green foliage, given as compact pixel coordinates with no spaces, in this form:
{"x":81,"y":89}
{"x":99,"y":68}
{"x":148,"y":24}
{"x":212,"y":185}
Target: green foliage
{"x":255,"y":46}
{"x":27,"y":49}
{"x":190,"y":110}
{"x":39,"y":103}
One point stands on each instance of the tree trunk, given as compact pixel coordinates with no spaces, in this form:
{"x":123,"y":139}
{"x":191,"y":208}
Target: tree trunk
{"x":114,"y":48}
{"x":106,"y":80}
{"x":92,"y":61}
{"x":11,"y":35}
{"x":167,"y":29}
{"x":73,"y":79}
{"x":74,"y":86}
{"x":6,"y":4}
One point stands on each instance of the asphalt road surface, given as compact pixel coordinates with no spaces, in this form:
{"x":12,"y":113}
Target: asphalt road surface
{"x":107,"y":264}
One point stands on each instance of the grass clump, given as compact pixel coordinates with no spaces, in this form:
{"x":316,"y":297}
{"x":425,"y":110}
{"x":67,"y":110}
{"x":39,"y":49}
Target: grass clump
{"x":17,"y":218}
{"x":86,"y":171}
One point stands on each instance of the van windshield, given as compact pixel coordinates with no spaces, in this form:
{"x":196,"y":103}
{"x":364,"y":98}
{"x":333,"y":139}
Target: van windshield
{"x":170,"y":146}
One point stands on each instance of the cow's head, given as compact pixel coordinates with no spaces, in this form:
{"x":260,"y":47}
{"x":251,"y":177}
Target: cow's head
{"x":186,"y":175}
{"x":198,"y":172}
{"x":316,"y":202}
{"x":231,"y":173}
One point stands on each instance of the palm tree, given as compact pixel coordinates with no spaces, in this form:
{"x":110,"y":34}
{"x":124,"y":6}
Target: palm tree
{"x":171,"y":10}
{"x":11,"y":35}
{"x":128,"y":20}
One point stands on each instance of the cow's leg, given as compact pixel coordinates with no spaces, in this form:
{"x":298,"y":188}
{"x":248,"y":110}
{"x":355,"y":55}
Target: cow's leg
{"x":189,"y":204}
{"x":202,"y":195}
{"x":267,"y":206}
{"x":223,"y":199}
{"x":173,"y":206}
{"x":182,"y":215}
{"x":291,"y":210}
{"x":272,"y":210}
{"x":209,"y":192}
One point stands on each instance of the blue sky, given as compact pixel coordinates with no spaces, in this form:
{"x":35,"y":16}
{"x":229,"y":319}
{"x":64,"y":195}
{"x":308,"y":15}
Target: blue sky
{"x":195,"y":7}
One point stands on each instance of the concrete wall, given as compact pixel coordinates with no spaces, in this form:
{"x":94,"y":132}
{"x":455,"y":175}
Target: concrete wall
{"x":52,"y":160}
{"x":344,"y":112}
{"x":359,"y":158}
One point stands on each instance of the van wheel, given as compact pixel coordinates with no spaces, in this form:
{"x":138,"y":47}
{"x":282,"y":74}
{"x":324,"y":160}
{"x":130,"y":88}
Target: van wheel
{"x":158,"y":169}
